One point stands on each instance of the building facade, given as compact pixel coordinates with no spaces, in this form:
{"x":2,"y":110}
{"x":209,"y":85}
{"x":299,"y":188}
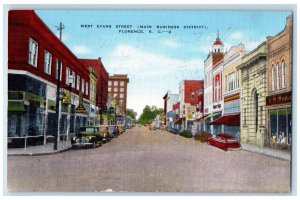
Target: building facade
{"x":213,"y":76}
{"x":169,"y":115}
{"x":230,"y":120}
{"x":279,"y":87}
{"x":117,"y":88}
{"x":253,"y":96}
{"x":34,"y":56}
{"x":99,"y":90}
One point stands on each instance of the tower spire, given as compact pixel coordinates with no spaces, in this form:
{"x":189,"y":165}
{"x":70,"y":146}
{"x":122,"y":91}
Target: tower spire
{"x":218,"y":34}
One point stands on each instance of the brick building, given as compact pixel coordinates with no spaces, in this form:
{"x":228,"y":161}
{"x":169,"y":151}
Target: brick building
{"x":117,"y":89}
{"x":34,"y":56}
{"x":279,"y":87}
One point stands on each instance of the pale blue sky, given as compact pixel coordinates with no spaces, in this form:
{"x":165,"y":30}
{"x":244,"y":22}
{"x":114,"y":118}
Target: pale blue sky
{"x":157,"y":62}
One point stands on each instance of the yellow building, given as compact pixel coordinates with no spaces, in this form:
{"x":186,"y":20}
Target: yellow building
{"x":253,"y":96}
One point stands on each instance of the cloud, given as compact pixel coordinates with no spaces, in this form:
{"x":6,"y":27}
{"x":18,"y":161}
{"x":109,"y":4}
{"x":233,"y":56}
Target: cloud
{"x":236,"y":36}
{"x":171,"y":43}
{"x":81,"y":49}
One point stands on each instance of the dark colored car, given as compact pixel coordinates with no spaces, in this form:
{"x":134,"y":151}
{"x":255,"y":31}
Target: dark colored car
{"x":87,"y":137}
{"x":224,"y":142}
{"x":128,"y":126}
{"x":202,"y":136}
{"x":113,"y":130}
{"x":173,"y":130}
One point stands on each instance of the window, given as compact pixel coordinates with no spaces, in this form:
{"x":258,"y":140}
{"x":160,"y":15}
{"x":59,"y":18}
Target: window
{"x":82,"y":86}
{"x":273,"y":78}
{"x":109,"y":89}
{"x":115,"y":89}
{"x":58,"y":64}
{"x":33,"y":52}
{"x":78,"y":83}
{"x":283,"y":73}
{"x":121,"y":96}
{"x":115,"y":95}
{"x":68,"y":73}
{"x":109,"y":83}
{"x":231,"y":82}
{"x":74,"y":82}
{"x":48,"y":62}
{"x":121,"y":83}
{"x":217,"y":89}
{"x":277,"y":77}
{"x":116,"y":83}
{"x":237,"y":79}
{"x":193,"y":95}
{"x":86,"y":88}
{"x":121,"y":89}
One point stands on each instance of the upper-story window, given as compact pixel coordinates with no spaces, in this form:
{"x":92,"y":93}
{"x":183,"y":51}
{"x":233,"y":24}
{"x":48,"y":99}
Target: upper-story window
{"x":273,"y":78}
{"x":121,"y":83}
{"x":109,"y":89}
{"x":217,"y":87}
{"x":78,"y":83}
{"x":121,"y":89}
{"x":58,"y":64}
{"x":231,"y":82}
{"x":68,"y":74}
{"x":33,"y":52}
{"x":116,"y":83}
{"x":277,"y":77}
{"x":283,"y":79}
{"x":121,"y":96}
{"x":48,"y":62}
{"x":73,"y":82}
{"x":115,"y":89}
{"x":82,"y":86}
{"x":109,"y":83}
{"x":86,"y":88}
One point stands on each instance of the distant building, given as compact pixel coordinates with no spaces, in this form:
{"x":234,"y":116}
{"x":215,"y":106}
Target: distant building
{"x":188,"y":101}
{"x":34,"y":56}
{"x":279,"y":87}
{"x":169,"y":100}
{"x":117,"y":88}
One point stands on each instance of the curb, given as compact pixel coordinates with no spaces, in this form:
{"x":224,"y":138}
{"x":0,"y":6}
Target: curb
{"x":262,"y":153}
{"x":40,"y":154}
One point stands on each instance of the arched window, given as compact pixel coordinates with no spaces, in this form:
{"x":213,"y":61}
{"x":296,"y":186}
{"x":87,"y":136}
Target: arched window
{"x":277,"y":77}
{"x":273,"y":78}
{"x":283,"y":74}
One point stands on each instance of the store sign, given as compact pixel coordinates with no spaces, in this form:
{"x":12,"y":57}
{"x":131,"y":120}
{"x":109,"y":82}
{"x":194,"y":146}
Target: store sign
{"x":81,"y":108}
{"x":279,"y":99}
{"x":67,"y":97}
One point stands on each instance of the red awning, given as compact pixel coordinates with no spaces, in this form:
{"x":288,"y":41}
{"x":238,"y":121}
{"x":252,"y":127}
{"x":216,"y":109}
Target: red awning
{"x":228,"y":120}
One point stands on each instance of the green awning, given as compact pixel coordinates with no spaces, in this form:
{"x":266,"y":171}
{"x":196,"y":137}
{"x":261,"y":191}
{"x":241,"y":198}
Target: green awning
{"x":35,"y":98}
{"x":16,"y":107}
{"x":212,"y":115}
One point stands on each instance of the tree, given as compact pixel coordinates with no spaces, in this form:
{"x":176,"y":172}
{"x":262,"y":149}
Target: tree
{"x":149,"y":114}
{"x":131,"y":113}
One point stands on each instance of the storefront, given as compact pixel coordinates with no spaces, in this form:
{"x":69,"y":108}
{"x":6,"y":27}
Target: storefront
{"x":280,"y":120}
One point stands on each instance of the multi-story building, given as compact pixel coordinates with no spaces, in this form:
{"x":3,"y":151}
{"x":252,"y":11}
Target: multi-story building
{"x":253,"y":96}
{"x":212,"y":80}
{"x":279,"y":87}
{"x":169,"y":100}
{"x":98,"y":88}
{"x":117,"y":88}
{"x":230,"y":120}
{"x":34,"y":56}
{"x":188,"y":101}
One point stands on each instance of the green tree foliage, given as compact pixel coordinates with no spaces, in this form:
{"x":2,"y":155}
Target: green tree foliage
{"x":149,"y":114}
{"x":131,"y":113}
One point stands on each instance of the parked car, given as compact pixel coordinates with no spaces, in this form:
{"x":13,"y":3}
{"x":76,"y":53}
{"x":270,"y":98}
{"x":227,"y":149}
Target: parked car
{"x":128,"y":126}
{"x":104,"y":131}
{"x":152,"y":127}
{"x":121,"y":129}
{"x":202,"y":136}
{"x":113,"y":130}
{"x":224,"y":142}
{"x":87,"y":136}
{"x":173,"y":130}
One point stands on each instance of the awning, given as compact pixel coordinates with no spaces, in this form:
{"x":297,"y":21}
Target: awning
{"x":199,"y":119}
{"x":16,"y":107}
{"x":212,"y":115}
{"x":228,"y":120}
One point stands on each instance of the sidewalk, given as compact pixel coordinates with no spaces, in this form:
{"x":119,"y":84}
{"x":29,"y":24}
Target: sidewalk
{"x":282,"y":154}
{"x":40,"y":149}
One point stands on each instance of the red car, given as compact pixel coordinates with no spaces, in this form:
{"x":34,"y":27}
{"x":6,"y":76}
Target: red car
{"x":224,"y":142}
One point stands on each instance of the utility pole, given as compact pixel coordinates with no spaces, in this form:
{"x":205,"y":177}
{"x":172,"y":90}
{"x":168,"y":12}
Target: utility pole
{"x":60,"y":28}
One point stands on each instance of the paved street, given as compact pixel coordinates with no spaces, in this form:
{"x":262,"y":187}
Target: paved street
{"x":148,"y":161}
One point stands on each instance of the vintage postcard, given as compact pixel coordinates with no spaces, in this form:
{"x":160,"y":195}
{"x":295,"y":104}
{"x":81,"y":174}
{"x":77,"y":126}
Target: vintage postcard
{"x":115,"y":100}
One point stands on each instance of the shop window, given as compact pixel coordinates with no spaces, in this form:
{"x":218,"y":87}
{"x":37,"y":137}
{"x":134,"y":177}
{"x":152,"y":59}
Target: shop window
{"x":280,"y":126}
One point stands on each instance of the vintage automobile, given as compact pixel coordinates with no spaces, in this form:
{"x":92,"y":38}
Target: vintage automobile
{"x":121,"y":129}
{"x":152,"y":127}
{"x":87,"y":136}
{"x":224,"y":142}
{"x":202,"y":136}
{"x":104,"y":131}
{"x":113,"y":130}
